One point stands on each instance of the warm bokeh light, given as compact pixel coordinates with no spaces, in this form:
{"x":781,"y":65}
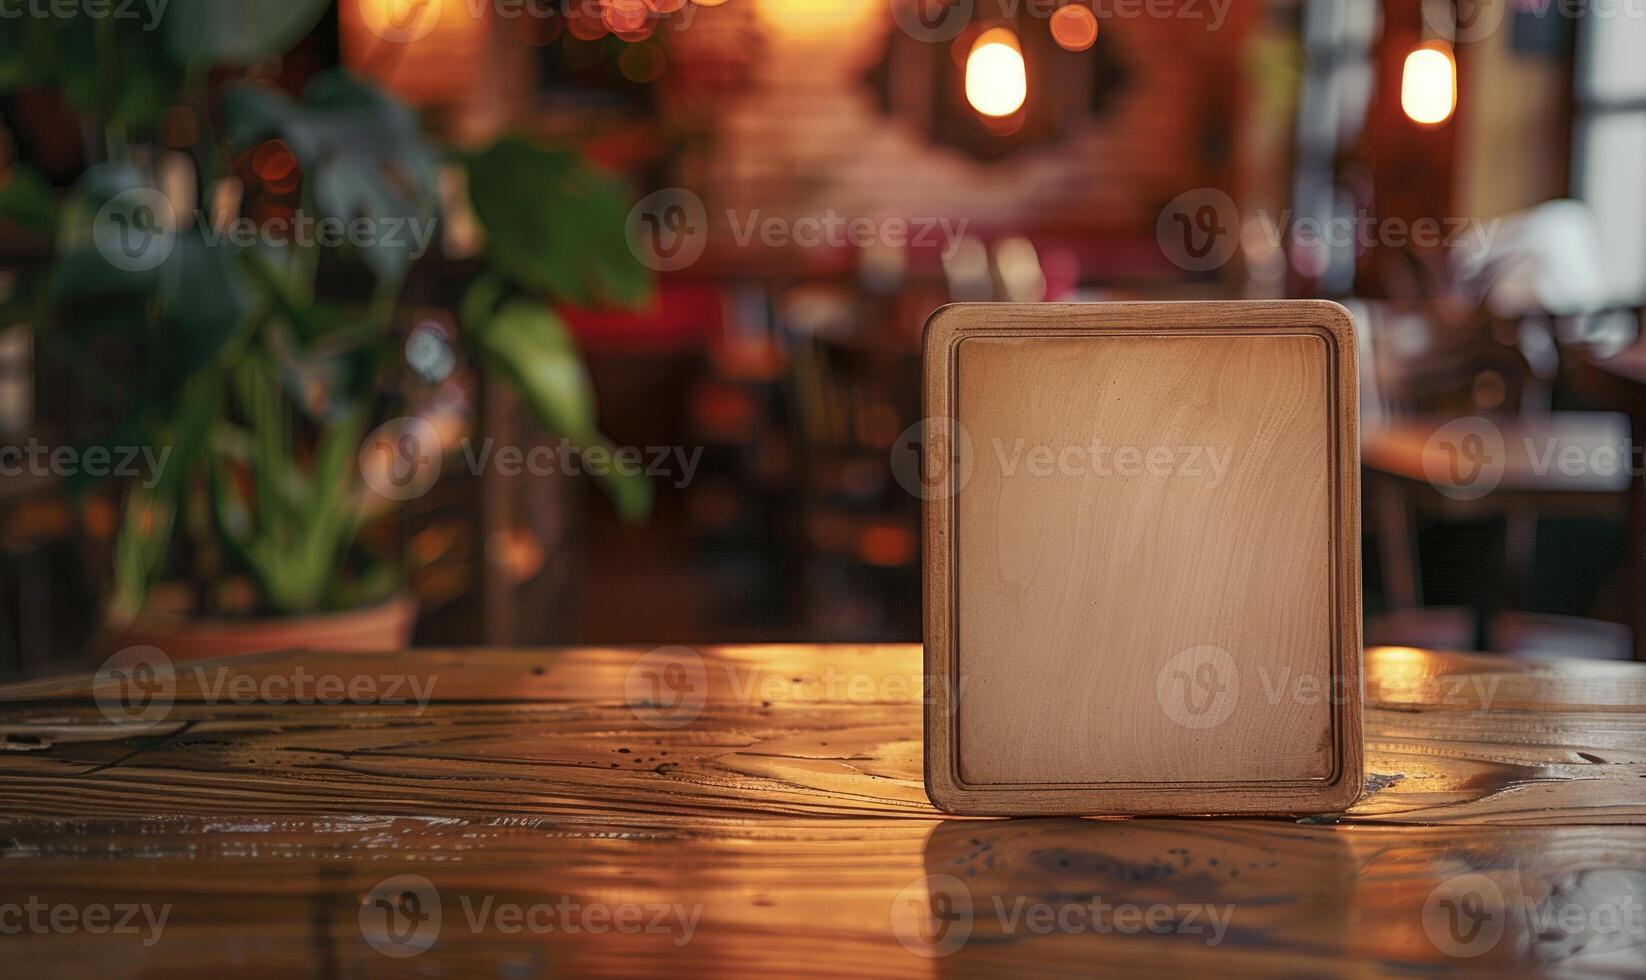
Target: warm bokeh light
{"x":997,"y":81}
{"x":586,"y":28}
{"x":887,"y":545}
{"x":1074,"y":28}
{"x":819,"y":20}
{"x":275,"y":165}
{"x":1428,"y":85}
{"x":428,"y":52}
{"x":625,"y":17}
{"x":401,"y":20}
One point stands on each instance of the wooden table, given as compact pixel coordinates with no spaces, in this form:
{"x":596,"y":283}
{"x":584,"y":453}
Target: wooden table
{"x":560,"y":826}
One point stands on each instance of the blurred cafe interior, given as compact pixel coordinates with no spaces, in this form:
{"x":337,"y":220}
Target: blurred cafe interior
{"x":532,"y":322}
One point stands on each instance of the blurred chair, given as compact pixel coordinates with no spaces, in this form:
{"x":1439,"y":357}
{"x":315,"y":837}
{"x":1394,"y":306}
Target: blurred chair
{"x":1549,"y":273}
{"x":1447,"y":384}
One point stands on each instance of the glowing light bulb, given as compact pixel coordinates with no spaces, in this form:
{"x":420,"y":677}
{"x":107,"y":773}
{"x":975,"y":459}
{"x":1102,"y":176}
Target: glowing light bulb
{"x":1428,"y":85}
{"x":997,"y":80}
{"x":1074,"y":28}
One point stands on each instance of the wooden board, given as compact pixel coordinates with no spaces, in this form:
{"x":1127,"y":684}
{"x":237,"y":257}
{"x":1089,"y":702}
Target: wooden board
{"x":1142,"y":588}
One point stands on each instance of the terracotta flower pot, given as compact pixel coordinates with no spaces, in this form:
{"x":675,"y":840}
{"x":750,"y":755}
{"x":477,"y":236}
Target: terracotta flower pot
{"x":386,"y":626}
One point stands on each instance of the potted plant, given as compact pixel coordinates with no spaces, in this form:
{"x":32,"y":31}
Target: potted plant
{"x":251,"y":354}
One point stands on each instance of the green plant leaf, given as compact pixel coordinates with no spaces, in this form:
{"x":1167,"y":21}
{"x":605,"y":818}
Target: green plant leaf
{"x":106,"y":250}
{"x":94,"y":231}
{"x":237,"y":32}
{"x":140,"y":548}
{"x":144,"y":538}
{"x":555,"y":223}
{"x":206,"y":293}
{"x":363,"y":156}
{"x":527,"y":343}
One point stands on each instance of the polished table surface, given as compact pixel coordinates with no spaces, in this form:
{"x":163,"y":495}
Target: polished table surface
{"x":759,"y":810}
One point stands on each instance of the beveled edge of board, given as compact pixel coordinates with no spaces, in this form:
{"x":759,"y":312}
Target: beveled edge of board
{"x":945,"y":329}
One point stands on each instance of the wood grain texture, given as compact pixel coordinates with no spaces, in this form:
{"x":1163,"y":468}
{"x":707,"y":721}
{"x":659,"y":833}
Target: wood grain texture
{"x":1142,"y":569}
{"x":788,"y":816}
